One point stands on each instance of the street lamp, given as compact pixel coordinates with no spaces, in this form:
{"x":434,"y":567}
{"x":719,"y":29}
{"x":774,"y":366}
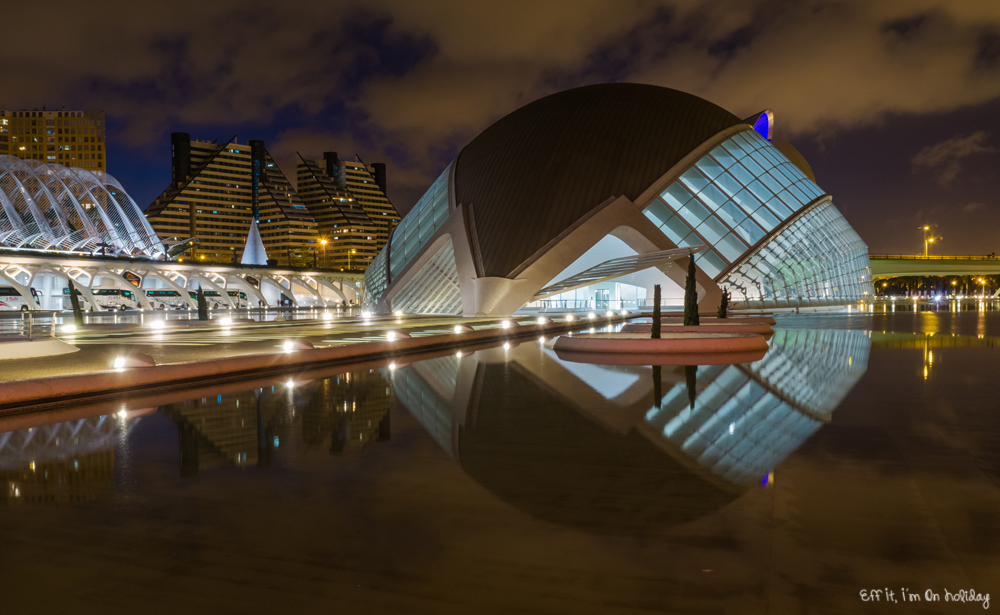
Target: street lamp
{"x":982,"y":282}
{"x":927,"y":240}
{"x":322,"y":243}
{"x":349,"y":252}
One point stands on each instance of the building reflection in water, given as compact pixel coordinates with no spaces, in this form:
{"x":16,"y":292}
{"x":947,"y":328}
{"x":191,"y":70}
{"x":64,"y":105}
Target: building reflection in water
{"x":590,"y":446}
{"x":71,"y":461}
{"x":336,"y":414}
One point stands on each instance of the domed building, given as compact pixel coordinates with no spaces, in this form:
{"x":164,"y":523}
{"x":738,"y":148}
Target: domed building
{"x":587,"y":198}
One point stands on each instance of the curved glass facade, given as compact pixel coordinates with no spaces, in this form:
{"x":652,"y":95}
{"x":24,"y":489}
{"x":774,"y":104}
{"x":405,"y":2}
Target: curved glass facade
{"x":49,"y":206}
{"x":818,"y":258}
{"x":434,"y":289}
{"x":730,"y":199}
{"x":419,"y":224}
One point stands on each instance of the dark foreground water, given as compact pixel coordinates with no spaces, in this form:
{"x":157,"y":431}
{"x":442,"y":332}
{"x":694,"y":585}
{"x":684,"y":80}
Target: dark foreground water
{"x":862,"y":453}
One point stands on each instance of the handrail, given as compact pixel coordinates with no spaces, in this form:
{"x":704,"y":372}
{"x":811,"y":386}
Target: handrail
{"x":921,"y":257}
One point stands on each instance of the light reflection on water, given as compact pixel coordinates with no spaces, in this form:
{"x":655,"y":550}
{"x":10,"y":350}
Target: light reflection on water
{"x":503,"y":413}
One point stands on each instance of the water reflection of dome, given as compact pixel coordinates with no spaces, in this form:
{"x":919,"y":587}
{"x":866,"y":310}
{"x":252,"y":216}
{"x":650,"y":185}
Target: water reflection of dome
{"x":605,"y":457}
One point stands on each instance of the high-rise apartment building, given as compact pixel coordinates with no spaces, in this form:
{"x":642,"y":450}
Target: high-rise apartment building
{"x":349,"y":202}
{"x":69,"y":138}
{"x":213,"y":196}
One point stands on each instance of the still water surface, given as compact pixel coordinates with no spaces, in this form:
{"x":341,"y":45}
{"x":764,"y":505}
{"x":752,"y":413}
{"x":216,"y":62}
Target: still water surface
{"x":862,"y":452}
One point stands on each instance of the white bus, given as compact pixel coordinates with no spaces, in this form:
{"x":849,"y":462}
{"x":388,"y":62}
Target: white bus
{"x":166,"y":299}
{"x":239,"y":298}
{"x":108,"y":298}
{"x":216,"y":302}
{"x":10,"y":299}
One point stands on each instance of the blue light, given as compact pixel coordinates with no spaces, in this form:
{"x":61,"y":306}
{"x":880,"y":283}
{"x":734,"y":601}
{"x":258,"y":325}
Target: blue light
{"x":763,"y":126}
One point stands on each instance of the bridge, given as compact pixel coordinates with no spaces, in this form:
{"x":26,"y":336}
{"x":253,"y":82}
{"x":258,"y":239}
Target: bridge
{"x":897,"y":265}
{"x":48,"y":273}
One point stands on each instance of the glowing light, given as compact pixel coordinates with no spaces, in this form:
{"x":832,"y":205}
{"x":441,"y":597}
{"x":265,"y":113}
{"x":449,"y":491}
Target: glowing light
{"x":288,"y":346}
{"x":506,"y":345}
{"x":390,"y":335}
{"x":122,"y":414}
{"x":119,"y":363}
{"x":69,"y":328}
{"x":156,"y":324}
{"x":505,"y":324}
{"x":541,"y":340}
{"x":591,"y":315}
{"x":542,"y":320}
{"x":327,"y":315}
{"x":399,"y":312}
{"x":569,"y":318}
{"x":290,"y":384}
{"x":392,"y":367}
{"x":459,"y":354}
{"x":458,"y":329}
{"x":625,"y":312}
{"x":226,"y":322}
{"x":593,"y":330}
{"x":609,"y":314}
{"x":366,"y":314}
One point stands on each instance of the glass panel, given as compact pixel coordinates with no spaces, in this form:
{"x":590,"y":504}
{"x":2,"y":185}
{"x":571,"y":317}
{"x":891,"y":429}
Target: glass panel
{"x":779,"y":208}
{"x":713,"y":230}
{"x":754,"y":168}
{"x":731,"y":247}
{"x":713,"y":197}
{"x":694,"y":180}
{"x":709,"y":167}
{"x":744,"y":176}
{"x":723,"y":157}
{"x":765,"y":218}
{"x":675,"y":229}
{"x":750,"y":232}
{"x":728,"y":183}
{"x":731,"y":214}
{"x":747,"y":201}
{"x":773,"y":184}
{"x":691,"y":239}
{"x":760,"y":191}
{"x":676,"y":196}
{"x":693,"y":213}
{"x":710,"y":262}
{"x":657,"y":212}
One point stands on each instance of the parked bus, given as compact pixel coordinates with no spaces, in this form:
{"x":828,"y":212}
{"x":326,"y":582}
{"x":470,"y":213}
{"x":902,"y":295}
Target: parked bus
{"x":10,"y":299}
{"x":239,"y":298}
{"x":107,"y":298}
{"x":165,"y":298}
{"x":213,"y":299}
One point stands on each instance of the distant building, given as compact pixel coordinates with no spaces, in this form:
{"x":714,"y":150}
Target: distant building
{"x":69,"y":138}
{"x":348,"y":201}
{"x":212,"y":197}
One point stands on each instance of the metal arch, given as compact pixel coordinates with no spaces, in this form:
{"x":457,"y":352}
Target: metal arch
{"x":21,"y":289}
{"x":84,"y":290}
{"x":14,"y":217}
{"x":77,"y":189}
{"x":110,"y":206}
{"x":301,"y":282}
{"x":338,"y":292}
{"x":30,"y":169}
{"x":54,"y":178}
{"x":280,"y":288}
{"x":246,"y":286}
{"x":155,"y":246}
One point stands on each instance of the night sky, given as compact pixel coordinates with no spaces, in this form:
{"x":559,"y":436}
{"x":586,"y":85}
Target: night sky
{"x":895,"y":103}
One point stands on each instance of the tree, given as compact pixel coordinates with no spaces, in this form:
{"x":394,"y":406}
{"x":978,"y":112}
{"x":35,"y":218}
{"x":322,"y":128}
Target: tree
{"x":74,"y":300}
{"x":691,"y":376}
{"x":202,"y":304}
{"x":691,"y":296}
{"x":724,"y":305}
{"x":656,"y":312}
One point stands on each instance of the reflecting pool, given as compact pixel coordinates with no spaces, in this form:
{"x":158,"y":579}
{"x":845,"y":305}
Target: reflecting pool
{"x":861,"y":452}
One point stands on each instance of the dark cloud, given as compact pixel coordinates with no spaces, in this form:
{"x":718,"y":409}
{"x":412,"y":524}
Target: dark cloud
{"x":410,"y":82}
{"x":945,"y":158}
